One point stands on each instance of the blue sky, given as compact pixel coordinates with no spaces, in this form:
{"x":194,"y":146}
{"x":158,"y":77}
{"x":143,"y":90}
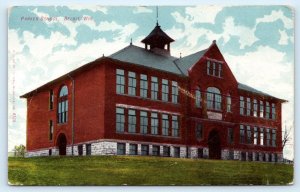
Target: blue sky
{"x":256,"y":41}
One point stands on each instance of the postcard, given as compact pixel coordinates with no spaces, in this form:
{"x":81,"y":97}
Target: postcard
{"x":150,"y":95}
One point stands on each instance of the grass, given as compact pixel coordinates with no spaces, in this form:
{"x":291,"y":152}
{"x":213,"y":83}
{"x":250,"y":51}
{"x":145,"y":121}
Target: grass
{"x":128,"y":170}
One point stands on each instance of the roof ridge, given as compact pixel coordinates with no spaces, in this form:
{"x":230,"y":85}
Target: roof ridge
{"x":121,"y":50}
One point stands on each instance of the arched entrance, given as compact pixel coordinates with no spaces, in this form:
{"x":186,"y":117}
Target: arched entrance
{"x":214,"y":145}
{"x":62,"y":144}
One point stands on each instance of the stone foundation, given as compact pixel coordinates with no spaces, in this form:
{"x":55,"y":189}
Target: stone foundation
{"x":110,"y":148}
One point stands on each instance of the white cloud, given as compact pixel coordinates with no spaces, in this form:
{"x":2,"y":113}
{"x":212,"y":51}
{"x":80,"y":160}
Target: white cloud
{"x":203,"y":14}
{"x":93,"y":8}
{"x":265,"y":69}
{"x":246,"y":35}
{"x":275,"y":15}
{"x":40,"y":14}
{"x":142,"y":9}
{"x":109,"y":26}
{"x":284,"y":38}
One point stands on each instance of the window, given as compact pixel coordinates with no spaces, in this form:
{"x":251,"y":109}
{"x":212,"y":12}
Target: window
{"x":231,"y":155}
{"x":250,"y":156}
{"x":273,"y":111}
{"x":174,"y":92}
{"x":268,"y":137}
{"x":267,"y":110}
{"x":63,"y":105}
{"x":256,"y":156}
{"x":220,"y":70}
{"x":131,"y":121}
{"x":176,"y":151}
{"x":214,"y":69}
{"x":143,"y":122}
{"x":80,"y":150}
{"x":200,"y":152}
{"x":154,"y":88}
{"x":208,"y":68}
{"x":273,"y":137}
{"x":242,"y":134}
{"x":145,"y":150}
{"x":144,"y":86}
{"x":51,"y":99}
{"x":248,"y":106}
{"x":255,"y":136}
{"x":50,"y":152}
{"x":165,"y":90}
{"x":199,"y":131}
{"x":166,"y":151}
{"x":230,"y":135}
{"x":120,"y":81}
{"x":50,"y":130}
{"x":249,"y":135}
{"x":133,"y":149}
{"x":155,"y":150}
{"x":261,"y":136}
{"x":213,"y":98}
{"x":242,"y":105}
{"x":88,"y":149}
{"x":243,"y":156}
{"x":255,"y":108}
{"x":120,"y":119}
{"x":121,"y":148}
{"x":154,"y":123}
{"x":131,"y":83}
{"x":198,"y":98}
{"x":165,"y":125}
{"x":175,"y":126}
{"x":261,"y":107}
{"x":228,"y":102}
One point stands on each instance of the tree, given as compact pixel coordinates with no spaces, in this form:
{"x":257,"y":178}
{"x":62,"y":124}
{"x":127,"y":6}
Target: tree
{"x":286,"y":136}
{"x":19,"y":150}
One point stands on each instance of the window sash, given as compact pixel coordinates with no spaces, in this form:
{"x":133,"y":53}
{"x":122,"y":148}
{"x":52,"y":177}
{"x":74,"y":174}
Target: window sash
{"x":165,"y":90}
{"x":255,"y":108}
{"x":261,"y":111}
{"x":174,"y":92}
{"x":242,"y":134}
{"x":242,"y":106}
{"x":120,"y":81}
{"x":165,"y":125}
{"x":198,"y":98}
{"x":154,"y":124}
{"x":131,"y":83}
{"x":154,"y":88}
{"x":199,"y":131}
{"x":175,"y":126}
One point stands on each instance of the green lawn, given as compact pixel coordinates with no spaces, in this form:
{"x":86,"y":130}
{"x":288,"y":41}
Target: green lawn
{"x":125,"y":170}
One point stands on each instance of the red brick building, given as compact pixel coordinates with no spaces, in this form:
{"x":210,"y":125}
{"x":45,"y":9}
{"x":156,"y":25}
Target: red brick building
{"x":143,"y":101}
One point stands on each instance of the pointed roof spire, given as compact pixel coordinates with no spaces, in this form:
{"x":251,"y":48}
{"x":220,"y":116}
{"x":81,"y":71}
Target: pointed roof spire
{"x":157,"y":35}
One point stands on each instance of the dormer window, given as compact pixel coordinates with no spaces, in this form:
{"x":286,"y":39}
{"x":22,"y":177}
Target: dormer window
{"x":214,"y":68}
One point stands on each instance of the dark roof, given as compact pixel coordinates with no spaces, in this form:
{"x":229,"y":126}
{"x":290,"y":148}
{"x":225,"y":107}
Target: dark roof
{"x":185,"y":63}
{"x":252,"y":90}
{"x":157,"y":35}
{"x":141,"y":56}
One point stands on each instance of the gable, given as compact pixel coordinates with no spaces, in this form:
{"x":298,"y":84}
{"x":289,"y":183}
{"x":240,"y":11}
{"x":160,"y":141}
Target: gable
{"x":197,"y":65}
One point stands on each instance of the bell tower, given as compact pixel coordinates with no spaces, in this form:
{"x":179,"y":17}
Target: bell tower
{"x":158,"y":40}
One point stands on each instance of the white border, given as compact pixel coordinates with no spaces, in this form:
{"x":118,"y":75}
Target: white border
{"x":4,"y":4}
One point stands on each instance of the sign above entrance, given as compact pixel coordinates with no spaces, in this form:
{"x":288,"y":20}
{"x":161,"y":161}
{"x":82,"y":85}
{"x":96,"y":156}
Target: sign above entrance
{"x":214,"y":115}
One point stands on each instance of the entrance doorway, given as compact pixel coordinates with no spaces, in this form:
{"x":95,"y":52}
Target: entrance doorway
{"x":214,"y":145}
{"x":62,"y":144}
